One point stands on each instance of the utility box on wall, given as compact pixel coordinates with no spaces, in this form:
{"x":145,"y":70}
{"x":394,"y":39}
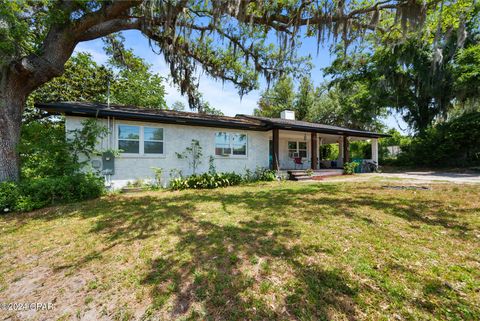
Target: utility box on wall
{"x":108,"y":163}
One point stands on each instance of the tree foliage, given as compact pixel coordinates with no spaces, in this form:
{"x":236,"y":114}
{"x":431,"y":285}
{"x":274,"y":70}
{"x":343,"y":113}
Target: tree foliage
{"x":276,"y":99}
{"x":414,"y":73}
{"x":134,"y":83}
{"x":228,"y":39}
{"x":345,"y":106}
{"x":450,"y":144}
{"x":337,"y":106}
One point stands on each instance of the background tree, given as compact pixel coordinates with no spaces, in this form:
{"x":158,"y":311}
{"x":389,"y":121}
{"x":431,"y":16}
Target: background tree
{"x":276,"y":99}
{"x":411,"y":73}
{"x":305,"y":98}
{"x":134,"y":84}
{"x":227,"y":39}
{"x":83,"y":80}
{"x":178,"y":106}
{"x":206,"y":108}
{"x":345,"y":107}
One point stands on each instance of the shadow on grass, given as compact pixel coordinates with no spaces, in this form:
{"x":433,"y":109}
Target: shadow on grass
{"x":207,"y":263}
{"x":213,"y":275}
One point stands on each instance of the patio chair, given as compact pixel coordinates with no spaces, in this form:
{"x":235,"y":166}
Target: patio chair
{"x":298,"y":162}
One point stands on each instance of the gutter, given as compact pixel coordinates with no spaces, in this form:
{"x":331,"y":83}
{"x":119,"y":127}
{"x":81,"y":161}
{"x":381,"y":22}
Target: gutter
{"x":102,"y":113}
{"x":346,"y":131}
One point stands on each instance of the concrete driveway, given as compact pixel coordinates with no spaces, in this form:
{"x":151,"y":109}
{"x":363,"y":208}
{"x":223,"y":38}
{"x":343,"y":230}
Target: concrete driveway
{"x":437,"y":176}
{"x":419,"y":176}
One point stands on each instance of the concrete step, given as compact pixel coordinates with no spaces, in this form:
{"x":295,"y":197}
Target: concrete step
{"x":298,"y":173}
{"x":300,"y":178}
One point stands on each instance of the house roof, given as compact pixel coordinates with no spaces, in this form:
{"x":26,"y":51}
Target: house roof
{"x":150,"y":114}
{"x":196,"y":119}
{"x":312,"y":127}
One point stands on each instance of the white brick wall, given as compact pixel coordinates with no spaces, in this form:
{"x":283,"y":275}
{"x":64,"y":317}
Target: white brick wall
{"x":176,"y":139}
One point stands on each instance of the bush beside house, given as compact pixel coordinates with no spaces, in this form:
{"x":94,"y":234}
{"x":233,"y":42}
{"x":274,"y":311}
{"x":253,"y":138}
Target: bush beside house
{"x":454,"y":143}
{"x":52,"y":171}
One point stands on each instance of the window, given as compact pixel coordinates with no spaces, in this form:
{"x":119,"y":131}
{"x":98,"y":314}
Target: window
{"x":152,"y":140}
{"x":129,"y":139}
{"x":297,"y":149}
{"x":228,"y":144}
{"x":140,"y":139}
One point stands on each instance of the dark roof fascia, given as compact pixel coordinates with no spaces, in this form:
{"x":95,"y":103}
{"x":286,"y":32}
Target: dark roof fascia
{"x":293,"y":127}
{"x":123,"y":115}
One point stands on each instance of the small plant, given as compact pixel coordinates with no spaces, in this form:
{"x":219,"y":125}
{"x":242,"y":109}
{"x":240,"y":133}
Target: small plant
{"x":309,"y":172}
{"x":349,"y":168}
{"x":175,"y":173}
{"x":211,"y":165}
{"x":193,"y":153}
{"x":158,"y":172}
{"x":136,"y":183}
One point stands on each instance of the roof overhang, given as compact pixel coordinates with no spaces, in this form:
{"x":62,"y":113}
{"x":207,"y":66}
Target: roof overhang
{"x":314,"y":129}
{"x":244,"y":122}
{"x":71,"y":109}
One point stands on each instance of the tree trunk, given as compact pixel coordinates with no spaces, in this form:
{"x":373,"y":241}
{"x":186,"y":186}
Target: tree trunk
{"x":12,"y":100}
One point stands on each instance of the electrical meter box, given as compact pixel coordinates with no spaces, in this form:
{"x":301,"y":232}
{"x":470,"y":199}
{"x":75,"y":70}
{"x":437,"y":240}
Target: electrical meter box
{"x":108,"y":163}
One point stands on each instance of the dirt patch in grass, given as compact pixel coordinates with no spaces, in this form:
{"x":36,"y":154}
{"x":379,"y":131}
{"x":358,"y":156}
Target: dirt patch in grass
{"x":281,"y":250}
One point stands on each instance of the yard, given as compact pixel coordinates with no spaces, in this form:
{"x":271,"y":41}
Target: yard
{"x":307,"y":251}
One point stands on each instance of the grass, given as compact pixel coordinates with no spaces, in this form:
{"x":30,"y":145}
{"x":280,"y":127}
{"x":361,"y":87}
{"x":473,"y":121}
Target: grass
{"x":319,"y":251}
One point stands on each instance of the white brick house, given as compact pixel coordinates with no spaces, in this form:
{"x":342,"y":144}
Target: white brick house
{"x":151,"y":138}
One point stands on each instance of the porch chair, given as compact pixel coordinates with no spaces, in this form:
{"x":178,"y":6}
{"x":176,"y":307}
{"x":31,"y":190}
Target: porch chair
{"x":297,"y":161}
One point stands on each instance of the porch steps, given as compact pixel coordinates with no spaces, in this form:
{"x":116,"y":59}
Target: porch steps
{"x":298,"y":175}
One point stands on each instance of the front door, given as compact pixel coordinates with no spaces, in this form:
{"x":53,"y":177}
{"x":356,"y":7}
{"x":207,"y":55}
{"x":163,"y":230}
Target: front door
{"x":270,"y":154}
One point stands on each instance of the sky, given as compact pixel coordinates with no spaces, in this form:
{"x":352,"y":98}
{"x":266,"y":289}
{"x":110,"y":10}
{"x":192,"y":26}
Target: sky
{"x":220,"y":95}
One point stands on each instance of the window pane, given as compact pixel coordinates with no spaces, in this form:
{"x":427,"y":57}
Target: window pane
{"x":153,"y":148}
{"x":302,"y":145}
{"x":302,"y":153}
{"x":223,"y":151}
{"x":151,"y":133}
{"x":240,"y":149}
{"x":239,"y":139}
{"x":129,"y":146}
{"x":128,"y":132}
{"x":292,"y":145}
{"x":222,"y":139}
{"x":222,"y":144}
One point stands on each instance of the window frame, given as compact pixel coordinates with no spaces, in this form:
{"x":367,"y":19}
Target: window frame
{"x":141,"y":148}
{"x":231,"y":144}
{"x":297,"y":149}
{"x":129,"y":139}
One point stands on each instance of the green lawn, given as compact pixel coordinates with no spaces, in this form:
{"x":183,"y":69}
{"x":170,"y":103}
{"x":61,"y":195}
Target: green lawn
{"x":281,"y":250}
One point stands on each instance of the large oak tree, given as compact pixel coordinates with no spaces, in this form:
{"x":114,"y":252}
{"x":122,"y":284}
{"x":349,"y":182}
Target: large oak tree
{"x":228,"y":39}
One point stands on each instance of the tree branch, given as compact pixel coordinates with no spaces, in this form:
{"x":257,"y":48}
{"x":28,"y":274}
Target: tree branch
{"x":109,"y":27}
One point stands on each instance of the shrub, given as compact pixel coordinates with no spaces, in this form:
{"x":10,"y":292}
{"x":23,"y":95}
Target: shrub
{"x":349,"y":168}
{"x":9,"y":195}
{"x":46,"y":152}
{"x":453,"y":143}
{"x":206,"y":180}
{"x":265,"y":174}
{"x":214,"y":180}
{"x":40,"y":192}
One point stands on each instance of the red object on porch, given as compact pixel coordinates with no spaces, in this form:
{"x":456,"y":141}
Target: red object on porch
{"x":297,"y":161}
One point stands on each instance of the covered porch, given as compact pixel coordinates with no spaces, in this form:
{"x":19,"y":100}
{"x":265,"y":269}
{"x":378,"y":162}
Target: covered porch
{"x":292,"y":150}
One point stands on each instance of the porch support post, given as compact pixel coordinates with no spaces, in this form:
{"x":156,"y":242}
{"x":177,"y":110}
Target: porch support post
{"x":375,"y":150}
{"x":276,"y":149}
{"x":314,"y":148}
{"x":346,"y":150}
